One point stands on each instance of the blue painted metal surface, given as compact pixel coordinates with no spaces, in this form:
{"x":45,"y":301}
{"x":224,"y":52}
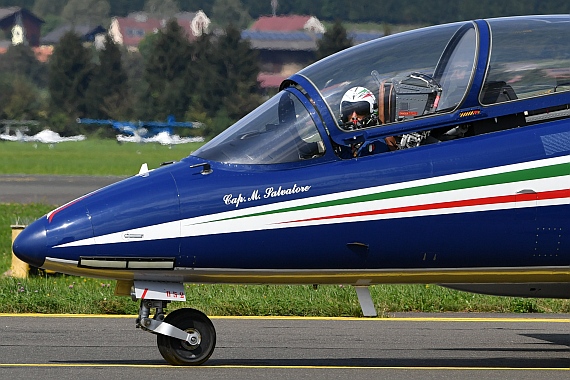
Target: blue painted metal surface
{"x":459,"y":175}
{"x":180,"y":201}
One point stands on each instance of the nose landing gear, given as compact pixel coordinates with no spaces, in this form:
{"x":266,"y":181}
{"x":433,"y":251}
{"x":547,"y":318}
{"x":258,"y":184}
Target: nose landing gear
{"x":185,"y":336}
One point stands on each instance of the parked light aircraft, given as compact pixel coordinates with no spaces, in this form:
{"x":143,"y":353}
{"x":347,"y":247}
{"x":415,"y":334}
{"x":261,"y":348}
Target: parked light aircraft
{"x":459,"y":175}
{"x":163,"y":138}
{"x":46,"y":137}
{"x":138,"y":131}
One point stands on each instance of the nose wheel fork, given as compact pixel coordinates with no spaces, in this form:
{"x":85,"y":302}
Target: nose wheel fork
{"x":184,"y":337}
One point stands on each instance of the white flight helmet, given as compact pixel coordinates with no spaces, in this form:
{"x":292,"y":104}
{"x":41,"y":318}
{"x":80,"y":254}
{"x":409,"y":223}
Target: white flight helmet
{"x":360,"y":100}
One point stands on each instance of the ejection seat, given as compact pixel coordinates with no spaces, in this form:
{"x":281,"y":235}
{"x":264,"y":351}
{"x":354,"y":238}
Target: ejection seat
{"x":495,"y":92}
{"x":386,"y":102}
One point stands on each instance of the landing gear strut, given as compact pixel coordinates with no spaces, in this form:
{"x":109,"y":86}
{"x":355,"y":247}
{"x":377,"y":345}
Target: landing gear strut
{"x":184,"y":337}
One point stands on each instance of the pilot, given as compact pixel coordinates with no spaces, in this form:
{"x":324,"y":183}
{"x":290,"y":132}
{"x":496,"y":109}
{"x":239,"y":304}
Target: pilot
{"x":358,"y":109}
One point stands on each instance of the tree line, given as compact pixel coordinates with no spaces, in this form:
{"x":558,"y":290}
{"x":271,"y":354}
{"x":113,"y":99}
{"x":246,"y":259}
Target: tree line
{"x":212,"y":80}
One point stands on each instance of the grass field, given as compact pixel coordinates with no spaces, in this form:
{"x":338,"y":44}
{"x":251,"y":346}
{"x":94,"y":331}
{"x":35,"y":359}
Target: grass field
{"x":88,"y":157}
{"x":69,"y":294}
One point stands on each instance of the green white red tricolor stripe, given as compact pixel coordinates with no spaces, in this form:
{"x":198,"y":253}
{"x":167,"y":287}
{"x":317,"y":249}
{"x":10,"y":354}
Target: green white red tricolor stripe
{"x":530,"y":184}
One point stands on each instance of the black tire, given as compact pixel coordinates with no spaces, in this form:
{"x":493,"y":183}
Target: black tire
{"x":177,"y":352}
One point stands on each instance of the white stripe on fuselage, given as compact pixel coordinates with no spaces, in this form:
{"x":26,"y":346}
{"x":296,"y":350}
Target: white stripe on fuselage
{"x":241,"y":220}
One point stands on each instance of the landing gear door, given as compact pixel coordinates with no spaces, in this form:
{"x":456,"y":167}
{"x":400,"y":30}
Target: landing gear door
{"x":158,"y":290}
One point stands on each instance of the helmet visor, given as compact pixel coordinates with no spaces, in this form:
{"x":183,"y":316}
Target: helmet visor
{"x":361,"y":108}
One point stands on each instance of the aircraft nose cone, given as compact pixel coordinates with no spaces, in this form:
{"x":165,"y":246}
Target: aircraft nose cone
{"x":31,"y":244}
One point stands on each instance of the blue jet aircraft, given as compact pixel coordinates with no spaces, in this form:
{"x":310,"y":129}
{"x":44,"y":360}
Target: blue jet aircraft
{"x":439,"y":155}
{"x":142,"y":128}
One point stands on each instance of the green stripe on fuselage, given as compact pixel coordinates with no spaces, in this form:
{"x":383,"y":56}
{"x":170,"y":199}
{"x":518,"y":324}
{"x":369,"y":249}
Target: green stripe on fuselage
{"x":487,"y":180}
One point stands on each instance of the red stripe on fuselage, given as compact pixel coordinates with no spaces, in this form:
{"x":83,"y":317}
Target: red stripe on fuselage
{"x":61,"y":208}
{"x":565,"y":193}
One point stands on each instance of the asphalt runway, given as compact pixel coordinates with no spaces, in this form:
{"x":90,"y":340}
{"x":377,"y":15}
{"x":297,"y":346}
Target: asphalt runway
{"x":49,"y":189}
{"x":416,"y":347}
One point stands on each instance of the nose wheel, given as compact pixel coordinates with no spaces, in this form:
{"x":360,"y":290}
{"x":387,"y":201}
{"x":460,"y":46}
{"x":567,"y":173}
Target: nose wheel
{"x":201,"y":345}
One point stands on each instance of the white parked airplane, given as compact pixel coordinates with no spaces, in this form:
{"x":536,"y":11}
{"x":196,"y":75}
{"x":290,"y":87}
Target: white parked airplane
{"x":46,"y":137}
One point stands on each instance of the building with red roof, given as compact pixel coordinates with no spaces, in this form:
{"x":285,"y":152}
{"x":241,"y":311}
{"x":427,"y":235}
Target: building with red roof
{"x":129,"y":31}
{"x":291,"y":23}
{"x":286,"y":44}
